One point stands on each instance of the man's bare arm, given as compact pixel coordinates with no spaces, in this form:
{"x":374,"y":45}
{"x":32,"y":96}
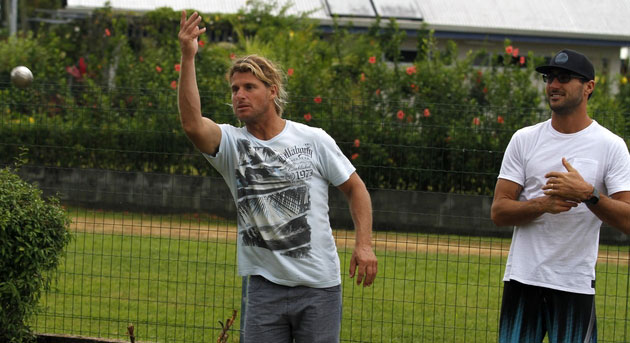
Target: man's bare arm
{"x":363,"y":262}
{"x":613,"y":210}
{"x":203,"y":132}
{"x":507,"y":210}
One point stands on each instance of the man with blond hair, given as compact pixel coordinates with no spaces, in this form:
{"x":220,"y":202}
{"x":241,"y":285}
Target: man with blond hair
{"x":278,"y":172}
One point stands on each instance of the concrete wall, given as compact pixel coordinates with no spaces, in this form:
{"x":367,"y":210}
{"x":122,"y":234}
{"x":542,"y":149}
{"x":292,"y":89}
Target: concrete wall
{"x":407,"y":211}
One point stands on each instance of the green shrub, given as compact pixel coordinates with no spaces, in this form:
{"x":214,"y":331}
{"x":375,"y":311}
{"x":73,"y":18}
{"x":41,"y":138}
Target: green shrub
{"x":33,"y":234}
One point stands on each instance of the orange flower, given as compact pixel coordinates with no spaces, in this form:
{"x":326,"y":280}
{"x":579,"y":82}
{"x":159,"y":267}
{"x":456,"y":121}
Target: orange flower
{"x":400,"y":114}
{"x":290,"y":71}
{"x":141,"y":59}
{"x":413,"y":86}
{"x":508,"y":49}
{"x":355,"y":156}
{"x":522,"y":60}
{"x":158,"y":68}
{"x":318,"y":99}
{"x":308,"y":117}
{"x":174,"y":84}
{"x":427,"y":113}
{"x":477,"y":121}
{"x":362,"y":76}
{"x":411,"y":70}
{"x":500,"y":120}
{"x":378,"y":91}
{"x":357,"y":142}
{"x":108,"y":33}
{"x":372,"y":60}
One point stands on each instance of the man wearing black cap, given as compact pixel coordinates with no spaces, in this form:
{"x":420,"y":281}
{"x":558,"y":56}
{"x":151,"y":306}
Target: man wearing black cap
{"x":559,"y":180}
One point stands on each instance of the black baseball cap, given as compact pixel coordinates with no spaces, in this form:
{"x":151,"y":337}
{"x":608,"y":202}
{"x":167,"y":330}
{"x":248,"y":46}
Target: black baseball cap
{"x":572,"y":61}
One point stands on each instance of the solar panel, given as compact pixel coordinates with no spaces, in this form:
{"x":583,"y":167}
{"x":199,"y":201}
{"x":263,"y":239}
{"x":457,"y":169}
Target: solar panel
{"x":351,"y":8}
{"x":400,"y":9}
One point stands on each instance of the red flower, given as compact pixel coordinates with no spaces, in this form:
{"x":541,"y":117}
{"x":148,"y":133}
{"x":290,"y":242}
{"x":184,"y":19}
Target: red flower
{"x":477,"y":121}
{"x":411,"y":70}
{"x":232,"y":56}
{"x":355,"y":156}
{"x":447,"y":139}
{"x":318,"y":99}
{"x":178,"y":67}
{"x":174,"y":84}
{"x":485,"y":90}
{"x":372,"y":60}
{"x":413,"y":86}
{"x":522,"y":60}
{"x":500,"y":120}
{"x":108,"y":33}
{"x":82,"y":66}
{"x":201,"y":43}
{"x":515,"y":52}
{"x":400,"y":114}
{"x":308,"y":117}
{"x":158,"y":68}
{"x":508,"y":49}
{"x":427,"y":113}
{"x":357,"y":142}
{"x":290,"y":71}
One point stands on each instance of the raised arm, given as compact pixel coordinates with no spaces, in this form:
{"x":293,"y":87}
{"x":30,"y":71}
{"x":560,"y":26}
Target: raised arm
{"x":363,"y":258}
{"x":203,"y":132}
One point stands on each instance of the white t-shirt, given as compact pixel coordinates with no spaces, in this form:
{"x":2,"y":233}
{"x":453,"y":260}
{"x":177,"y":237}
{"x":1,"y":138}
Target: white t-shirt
{"x":280,"y":187}
{"x":559,"y":251}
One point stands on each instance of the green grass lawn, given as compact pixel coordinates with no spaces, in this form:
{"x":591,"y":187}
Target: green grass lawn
{"x":176,"y":289}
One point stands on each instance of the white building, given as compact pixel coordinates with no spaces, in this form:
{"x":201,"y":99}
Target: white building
{"x":599,"y":29}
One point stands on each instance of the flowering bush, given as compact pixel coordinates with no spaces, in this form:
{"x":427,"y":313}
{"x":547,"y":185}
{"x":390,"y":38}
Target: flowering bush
{"x":436,"y":124}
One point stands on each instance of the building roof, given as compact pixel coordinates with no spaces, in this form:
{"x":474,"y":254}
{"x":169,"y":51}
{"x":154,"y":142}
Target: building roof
{"x":592,"y":21}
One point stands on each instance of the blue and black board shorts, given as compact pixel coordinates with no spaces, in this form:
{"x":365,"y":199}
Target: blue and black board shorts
{"x":528,"y":313}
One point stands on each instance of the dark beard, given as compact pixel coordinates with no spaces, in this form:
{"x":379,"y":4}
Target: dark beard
{"x":567,"y":107}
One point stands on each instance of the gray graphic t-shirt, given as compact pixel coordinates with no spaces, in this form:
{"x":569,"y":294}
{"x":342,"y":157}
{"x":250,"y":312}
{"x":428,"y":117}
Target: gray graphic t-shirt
{"x":280,"y":187}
